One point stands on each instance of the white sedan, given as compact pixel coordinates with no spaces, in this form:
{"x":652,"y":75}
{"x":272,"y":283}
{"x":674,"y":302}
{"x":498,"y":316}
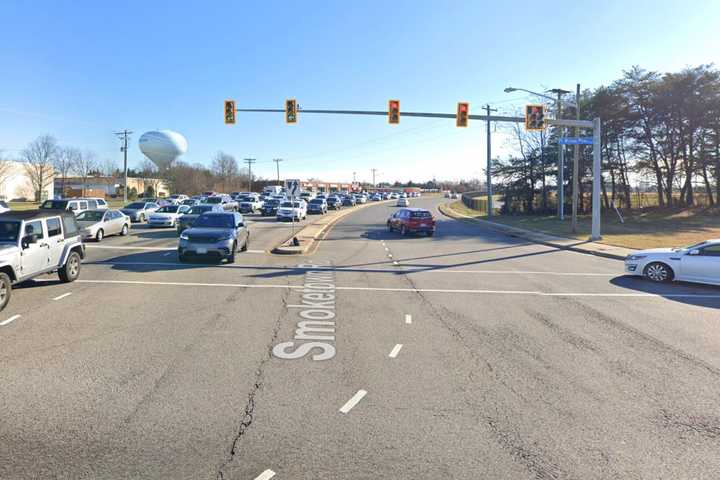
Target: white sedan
{"x":167,"y":216}
{"x":698,"y":263}
{"x":403,"y":202}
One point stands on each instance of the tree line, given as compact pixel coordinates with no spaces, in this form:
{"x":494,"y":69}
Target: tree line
{"x":660,"y":131}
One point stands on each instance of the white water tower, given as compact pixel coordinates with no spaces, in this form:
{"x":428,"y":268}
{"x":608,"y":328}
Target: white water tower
{"x":163,"y":147}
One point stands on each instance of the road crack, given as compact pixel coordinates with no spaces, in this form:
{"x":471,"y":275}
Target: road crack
{"x":249,"y":410}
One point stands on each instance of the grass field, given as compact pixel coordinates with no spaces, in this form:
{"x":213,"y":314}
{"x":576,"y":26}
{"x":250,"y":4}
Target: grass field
{"x":649,"y":228}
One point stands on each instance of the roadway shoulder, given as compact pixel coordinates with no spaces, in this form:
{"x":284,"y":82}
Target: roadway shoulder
{"x":572,"y":244}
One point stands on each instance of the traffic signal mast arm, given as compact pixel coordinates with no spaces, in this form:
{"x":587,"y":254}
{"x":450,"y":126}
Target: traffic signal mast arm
{"x":492,"y":118}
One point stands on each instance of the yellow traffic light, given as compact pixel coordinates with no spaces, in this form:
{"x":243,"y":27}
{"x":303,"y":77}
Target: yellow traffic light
{"x":463,"y":114}
{"x":534,"y":117}
{"x":230,"y":112}
{"x":291,"y":111}
{"x":394,"y":112}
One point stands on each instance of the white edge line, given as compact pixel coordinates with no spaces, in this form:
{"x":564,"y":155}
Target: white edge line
{"x":60,"y":297}
{"x":396,"y":349}
{"x":353,"y":401}
{"x":266,"y":475}
{"x":9,"y":320}
{"x":408,"y":318}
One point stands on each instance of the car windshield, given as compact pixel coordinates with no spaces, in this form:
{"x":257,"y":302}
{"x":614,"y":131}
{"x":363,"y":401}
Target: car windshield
{"x":214,"y":200}
{"x":54,"y":204}
{"x":135,"y":206}
{"x":9,"y":231}
{"x":90,"y":216}
{"x":272,"y":203}
{"x":215,"y":221}
{"x":168,"y":209}
{"x":317,"y":201}
{"x":199,"y":209}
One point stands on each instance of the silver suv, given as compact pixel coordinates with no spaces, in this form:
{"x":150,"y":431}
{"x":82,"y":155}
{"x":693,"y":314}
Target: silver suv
{"x":36,"y":242}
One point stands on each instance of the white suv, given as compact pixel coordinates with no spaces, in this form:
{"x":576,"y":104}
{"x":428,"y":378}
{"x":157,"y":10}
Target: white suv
{"x":296,"y":210}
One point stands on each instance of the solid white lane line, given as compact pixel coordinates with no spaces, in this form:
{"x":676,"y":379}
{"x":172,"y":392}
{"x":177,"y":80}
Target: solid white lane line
{"x":396,"y":349}
{"x":9,"y":320}
{"x":408,"y":318}
{"x":266,"y":475}
{"x":167,"y":254}
{"x":60,"y":297}
{"x":254,"y":251}
{"x":416,"y":290}
{"x":353,"y":401}
{"x":395,"y":262}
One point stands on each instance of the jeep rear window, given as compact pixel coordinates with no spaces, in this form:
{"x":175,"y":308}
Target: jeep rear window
{"x":54,"y":204}
{"x":69,"y":225}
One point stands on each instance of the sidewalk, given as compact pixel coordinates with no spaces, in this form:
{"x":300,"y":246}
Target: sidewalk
{"x":572,"y":244}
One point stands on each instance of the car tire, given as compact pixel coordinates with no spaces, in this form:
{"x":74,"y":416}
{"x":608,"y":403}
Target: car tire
{"x":658,"y":272}
{"x":182,"y":258}
{"x":142,"y":218}
{"x":5,"y":290}
{"x":246,"y":244}
{"x":430,"y":234}
{"x":403,"y":231}
{"x":231,"y":257}
{"x":99,"y":235}
{"x":389,"y":226}
{"x":71,"y":270}
{"x":125,"y":230}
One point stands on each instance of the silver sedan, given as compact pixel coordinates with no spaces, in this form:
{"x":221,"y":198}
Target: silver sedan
{"x":97,"y":224}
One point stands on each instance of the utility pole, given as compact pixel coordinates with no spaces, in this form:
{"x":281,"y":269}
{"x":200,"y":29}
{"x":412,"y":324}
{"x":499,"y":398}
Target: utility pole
{"x":489,"y":170}
{"x":124,"y":136}
{"x":373,"y":170}
{"x":576,"y":166}
{"x":277,"y":164}
{"x":249,"y":162}
{"x":354,"y":173}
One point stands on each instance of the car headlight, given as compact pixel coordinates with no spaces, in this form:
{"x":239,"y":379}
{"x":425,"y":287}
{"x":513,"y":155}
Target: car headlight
{"x":184,"y":236}
{"x":633,"y":258}
{"x":227,"y":236}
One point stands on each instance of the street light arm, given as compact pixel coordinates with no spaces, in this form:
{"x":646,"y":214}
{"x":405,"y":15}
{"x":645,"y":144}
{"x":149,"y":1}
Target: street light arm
{"x":554,"y":100}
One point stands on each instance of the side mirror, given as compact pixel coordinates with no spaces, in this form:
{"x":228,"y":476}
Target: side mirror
{"x":694,"y":252}
{"x":28,"y":240}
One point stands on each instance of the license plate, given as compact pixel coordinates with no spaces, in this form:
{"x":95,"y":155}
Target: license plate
{"x":201,"y":250}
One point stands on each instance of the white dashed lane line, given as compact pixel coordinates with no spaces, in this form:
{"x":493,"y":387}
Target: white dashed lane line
{"x":408,"y":318}
{"x":396,"y":349}
{"x":353,"y":401}
{"x":266,"y":475}
{"x":9,"y":320}
{"x":60,"y":297}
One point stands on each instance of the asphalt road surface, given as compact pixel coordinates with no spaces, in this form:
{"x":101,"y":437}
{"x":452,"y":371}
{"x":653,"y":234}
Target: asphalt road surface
{"x":467,"y":355}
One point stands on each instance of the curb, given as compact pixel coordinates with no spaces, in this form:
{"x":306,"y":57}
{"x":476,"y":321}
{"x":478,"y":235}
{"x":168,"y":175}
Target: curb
{"x":309,"y":240}
{"x":532,"y":236}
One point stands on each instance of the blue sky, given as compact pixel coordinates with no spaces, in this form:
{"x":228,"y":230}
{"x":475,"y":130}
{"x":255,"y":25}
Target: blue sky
{"x":82,"y":70}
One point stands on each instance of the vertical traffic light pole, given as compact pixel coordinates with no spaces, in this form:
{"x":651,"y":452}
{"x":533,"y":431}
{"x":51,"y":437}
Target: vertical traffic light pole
{"x":488,"y":172}
{"x":597,"y":178}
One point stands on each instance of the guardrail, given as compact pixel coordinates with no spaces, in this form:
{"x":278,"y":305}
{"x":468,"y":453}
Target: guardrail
{"x":475,"y":200}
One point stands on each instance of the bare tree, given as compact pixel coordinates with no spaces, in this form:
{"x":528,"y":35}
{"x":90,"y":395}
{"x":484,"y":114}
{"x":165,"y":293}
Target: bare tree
{"x":226,"y":168}
{"x":39,"y":156}
{"x":6,"y":168}
{"x":109,"y":168}
{"x":64,"y":162}
{"x":84,"y":165}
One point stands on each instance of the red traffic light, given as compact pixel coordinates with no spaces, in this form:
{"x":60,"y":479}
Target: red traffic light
{"x":462,"y":117}
{"x":394,"y":112}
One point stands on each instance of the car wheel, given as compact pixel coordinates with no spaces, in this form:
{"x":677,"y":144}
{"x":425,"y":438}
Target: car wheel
{"x":142,"y":218}
{"x":125,"y":230}
{"x":231,"y":257}
{"x":99,"y":235}
{"x":246,"y":244}
{"x":389,"y":225}
{"x":403,"y":230}
{"x":182,"y":258}
{"x":659,"y":272}
{"x":71,"y":270}
{"x":430,"y":234}
{"x":5,"y":290}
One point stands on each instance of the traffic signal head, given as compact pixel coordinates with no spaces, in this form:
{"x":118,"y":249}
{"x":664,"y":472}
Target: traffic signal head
{"x":534,"y":117}
{"x":463,"y":114}
{"x":230,"y":112}
{"x":394,"y":112}
{"x":291,"y":111}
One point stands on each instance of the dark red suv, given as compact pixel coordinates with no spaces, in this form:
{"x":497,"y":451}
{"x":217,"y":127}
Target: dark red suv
{"x":412,"y":220}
